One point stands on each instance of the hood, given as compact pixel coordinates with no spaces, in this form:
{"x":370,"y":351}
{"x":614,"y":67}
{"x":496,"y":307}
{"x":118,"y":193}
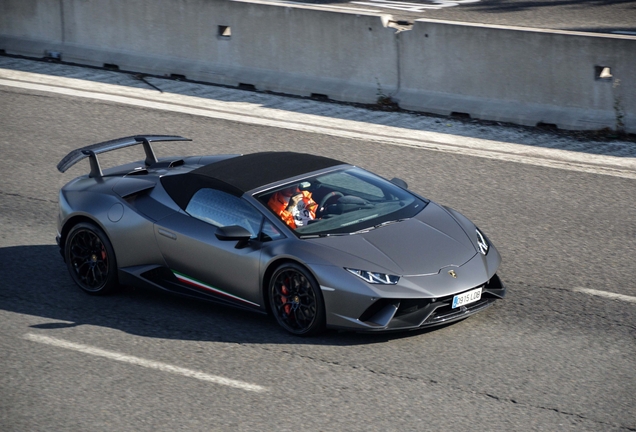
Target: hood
{"x":421,"y":245}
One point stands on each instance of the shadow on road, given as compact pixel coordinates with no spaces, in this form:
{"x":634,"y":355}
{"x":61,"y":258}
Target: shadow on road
{"x":35,"y":282}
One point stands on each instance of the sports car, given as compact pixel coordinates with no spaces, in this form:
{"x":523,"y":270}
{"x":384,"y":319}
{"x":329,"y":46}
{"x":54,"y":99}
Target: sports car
{"x":313,"y":241}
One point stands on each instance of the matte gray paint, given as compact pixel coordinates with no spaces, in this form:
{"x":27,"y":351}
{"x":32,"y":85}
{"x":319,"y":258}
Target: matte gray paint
{"x":154,"y":232}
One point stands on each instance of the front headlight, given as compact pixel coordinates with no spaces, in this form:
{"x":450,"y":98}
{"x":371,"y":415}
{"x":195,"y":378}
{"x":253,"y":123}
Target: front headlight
{"x":482,"y":243}
{"x":375,"y":278}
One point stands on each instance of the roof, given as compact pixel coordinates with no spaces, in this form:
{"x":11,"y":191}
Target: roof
{"x":237,"y":175}
{"x":250,"y":171}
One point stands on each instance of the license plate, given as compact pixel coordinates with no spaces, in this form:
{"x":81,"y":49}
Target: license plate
{"x":466,"y":298}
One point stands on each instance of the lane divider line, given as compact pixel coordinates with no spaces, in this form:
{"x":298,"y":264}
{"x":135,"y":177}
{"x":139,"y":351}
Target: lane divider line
{"x":138,"y":361}
{"x":606,"y":294}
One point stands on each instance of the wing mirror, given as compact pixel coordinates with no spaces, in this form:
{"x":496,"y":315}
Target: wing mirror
{"x":399,"y":182}
{"x":234,"y":232}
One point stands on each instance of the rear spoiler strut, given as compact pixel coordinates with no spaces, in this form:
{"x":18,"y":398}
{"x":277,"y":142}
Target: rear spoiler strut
{"x":91,"y":151}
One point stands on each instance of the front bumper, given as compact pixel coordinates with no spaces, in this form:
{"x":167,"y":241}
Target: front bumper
{"x":412,"y":314}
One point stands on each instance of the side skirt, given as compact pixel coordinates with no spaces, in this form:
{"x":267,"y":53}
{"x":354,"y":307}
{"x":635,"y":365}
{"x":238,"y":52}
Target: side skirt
{"x":171,"y":281}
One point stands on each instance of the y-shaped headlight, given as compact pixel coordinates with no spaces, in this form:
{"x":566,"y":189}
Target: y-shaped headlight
{"x":482,"y":243}
{"x":375,"y":278}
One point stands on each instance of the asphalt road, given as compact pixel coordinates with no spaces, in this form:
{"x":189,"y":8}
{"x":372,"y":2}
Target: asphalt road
{"x":548,"y":357}
{"x":605,"y":16}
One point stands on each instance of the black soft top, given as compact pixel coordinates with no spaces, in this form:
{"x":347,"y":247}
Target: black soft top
{"x":237,"y":175}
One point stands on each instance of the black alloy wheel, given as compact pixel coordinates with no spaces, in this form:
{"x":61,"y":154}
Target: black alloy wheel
{"x":90,"y":259}
{"x":296,"y":300}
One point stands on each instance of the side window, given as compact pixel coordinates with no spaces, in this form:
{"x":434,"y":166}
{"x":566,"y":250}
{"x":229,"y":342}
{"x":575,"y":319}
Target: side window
{"x":222,"y":209}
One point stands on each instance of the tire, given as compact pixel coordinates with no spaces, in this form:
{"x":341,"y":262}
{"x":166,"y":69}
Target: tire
{"x":296,"y":300}
{"x":90,"y":259}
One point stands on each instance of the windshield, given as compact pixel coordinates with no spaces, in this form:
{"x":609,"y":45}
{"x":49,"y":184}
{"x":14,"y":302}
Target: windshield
{"x":340,"y":202}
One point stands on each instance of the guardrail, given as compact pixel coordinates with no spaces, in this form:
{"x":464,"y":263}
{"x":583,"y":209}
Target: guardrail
{"x":525,"y":76}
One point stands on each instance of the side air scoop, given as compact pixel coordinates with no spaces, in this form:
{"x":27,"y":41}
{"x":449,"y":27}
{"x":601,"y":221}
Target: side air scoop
{"x":93,"y":150}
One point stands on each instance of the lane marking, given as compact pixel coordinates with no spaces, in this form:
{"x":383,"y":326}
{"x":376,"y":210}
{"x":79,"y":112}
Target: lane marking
{"x":138,"y":361}
{"x":606,"y":294}
{"x":258,"y":115}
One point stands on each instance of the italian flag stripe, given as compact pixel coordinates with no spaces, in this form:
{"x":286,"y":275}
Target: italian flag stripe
{"x":198,"y":284}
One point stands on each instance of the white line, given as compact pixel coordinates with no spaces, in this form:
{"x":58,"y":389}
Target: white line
{"x":307,"y":5}
{"x":86,"y":349}
{"x":258,"y":115}
{"x":606,"y":294}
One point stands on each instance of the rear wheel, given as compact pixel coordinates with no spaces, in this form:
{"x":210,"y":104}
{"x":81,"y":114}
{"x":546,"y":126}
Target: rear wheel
{"x":296,"y":300}
{"x":90,"y":259}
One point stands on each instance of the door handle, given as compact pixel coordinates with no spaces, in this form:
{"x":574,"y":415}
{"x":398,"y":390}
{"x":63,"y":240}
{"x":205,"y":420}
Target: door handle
{"x":168,"y":234}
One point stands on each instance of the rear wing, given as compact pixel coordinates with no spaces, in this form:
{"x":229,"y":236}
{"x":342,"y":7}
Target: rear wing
{"x":91,"y":151}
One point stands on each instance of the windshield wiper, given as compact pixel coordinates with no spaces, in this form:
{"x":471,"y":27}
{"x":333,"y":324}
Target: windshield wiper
{"x":306,"y":236}
{"x":361,"y":231}
{"x":388,"y":223}
{"x":380,"y":225}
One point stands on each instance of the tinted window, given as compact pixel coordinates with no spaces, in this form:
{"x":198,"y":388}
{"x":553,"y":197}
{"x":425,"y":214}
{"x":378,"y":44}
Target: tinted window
{"x":222,"y":209}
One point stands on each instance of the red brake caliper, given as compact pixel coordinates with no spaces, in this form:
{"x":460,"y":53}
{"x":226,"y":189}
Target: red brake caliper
{"x":283,"y":299}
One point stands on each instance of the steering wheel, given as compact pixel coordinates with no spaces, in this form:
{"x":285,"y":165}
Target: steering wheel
{"x":323,"y":201}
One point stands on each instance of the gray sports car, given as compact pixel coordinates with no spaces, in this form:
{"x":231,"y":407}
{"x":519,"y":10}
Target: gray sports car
{"x":314,"y":241}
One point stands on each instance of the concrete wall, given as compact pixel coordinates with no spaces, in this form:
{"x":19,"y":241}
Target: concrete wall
{"x":27,"y":26}
{"x":492,"y":72}
{"x":281,"y":49}
{"x":516,"y":75}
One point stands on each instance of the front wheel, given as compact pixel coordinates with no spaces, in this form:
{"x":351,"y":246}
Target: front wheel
{"x":296,"y":300}
{"x":90,"y":259}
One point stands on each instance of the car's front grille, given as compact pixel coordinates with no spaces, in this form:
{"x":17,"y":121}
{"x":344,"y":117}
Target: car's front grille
{"x":409,"y":306}
{"x":446,"y":313}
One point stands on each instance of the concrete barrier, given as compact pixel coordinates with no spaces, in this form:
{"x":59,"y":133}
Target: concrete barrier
{"x":517,"y":75}
{"x":26,"y":27}
{"x":280,"y":49}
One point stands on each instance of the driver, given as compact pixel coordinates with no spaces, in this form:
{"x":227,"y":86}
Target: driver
{"x":295,"y":207}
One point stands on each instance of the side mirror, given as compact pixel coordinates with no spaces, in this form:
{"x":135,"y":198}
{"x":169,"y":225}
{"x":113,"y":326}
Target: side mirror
{"x":234,"y":232}
{"x":399,"y":182}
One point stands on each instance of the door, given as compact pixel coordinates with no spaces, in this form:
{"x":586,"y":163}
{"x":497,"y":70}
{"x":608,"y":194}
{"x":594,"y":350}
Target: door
{"x":202,"y":262}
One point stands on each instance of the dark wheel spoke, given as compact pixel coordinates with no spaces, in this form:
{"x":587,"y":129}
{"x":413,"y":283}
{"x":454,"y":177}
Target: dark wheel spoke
{"x":308,"y":310}
{"x":301,"y":320}
{"x":93,"y":277}
{"x":304,"y":315}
